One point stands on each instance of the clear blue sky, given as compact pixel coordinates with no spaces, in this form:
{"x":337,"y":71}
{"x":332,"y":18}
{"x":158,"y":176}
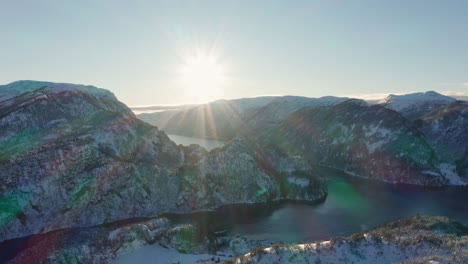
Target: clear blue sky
{"x":310,"y":48}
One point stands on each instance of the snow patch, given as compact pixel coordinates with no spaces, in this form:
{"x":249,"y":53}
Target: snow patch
{"x":382,"y":135}
{"x":449,"y":172}
{"x":299,"y":181}
{"x":427,"y":172}
{"x":414,"y":100}
{"x":19,"y":87}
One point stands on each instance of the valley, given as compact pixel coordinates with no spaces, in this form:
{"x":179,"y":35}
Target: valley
{"x":83,"y":179}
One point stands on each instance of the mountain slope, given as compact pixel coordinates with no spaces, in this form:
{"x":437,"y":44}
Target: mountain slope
{"x":368,"y":141}
{"x":447,"y":131}
{"x":71,"y":157}
{"x":224,"y":119}
{"x":220,"y":119}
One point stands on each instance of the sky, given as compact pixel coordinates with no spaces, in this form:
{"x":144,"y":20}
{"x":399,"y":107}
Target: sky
{"x":140,"y":49}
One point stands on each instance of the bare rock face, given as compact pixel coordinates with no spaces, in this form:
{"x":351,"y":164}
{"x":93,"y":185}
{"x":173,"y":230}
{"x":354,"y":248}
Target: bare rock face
{"x":74,"y":156}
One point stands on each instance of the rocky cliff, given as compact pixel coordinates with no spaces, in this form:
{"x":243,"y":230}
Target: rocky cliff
{"x":242,"y":172}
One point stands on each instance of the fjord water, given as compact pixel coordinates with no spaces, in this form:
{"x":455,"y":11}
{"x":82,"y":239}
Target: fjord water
{"x":352,"y":205}
{"x":208,"y":144}
{"x":355,"y":205}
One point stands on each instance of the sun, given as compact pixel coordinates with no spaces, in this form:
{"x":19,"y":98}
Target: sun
{"x":202,"y":75}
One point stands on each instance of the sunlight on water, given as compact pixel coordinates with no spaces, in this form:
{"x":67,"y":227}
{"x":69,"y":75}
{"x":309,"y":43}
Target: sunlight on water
{"x":208,"y":144}
{"x":353,"y":205}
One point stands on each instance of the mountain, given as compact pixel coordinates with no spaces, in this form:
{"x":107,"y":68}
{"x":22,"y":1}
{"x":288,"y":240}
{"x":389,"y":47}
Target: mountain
{"x":74,"y":156}
{"x":415,"y":138}
{"x":279,"y":110}
{"x":419,"y":239}
{"x":220,"y":119}
{"x":446,"y":129}
{"x":414,"y":105}
{"x":362,"y":140}
{"x":224,"y":119}
{"x":242,"y":172}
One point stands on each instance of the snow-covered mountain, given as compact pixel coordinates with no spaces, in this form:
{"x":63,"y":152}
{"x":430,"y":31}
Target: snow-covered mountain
{"x":13,"y":89}
{"x":362,"y":140}
{"x":415,"y":104}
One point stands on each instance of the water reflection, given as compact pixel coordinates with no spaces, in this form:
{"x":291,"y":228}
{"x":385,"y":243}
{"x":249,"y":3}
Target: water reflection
{"x":352,"y":205}
{"x":208,"y":144}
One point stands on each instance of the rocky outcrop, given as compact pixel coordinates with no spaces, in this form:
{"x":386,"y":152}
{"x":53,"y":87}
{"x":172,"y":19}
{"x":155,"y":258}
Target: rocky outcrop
{"x":420,"y":239}
{"x":242,"y":172}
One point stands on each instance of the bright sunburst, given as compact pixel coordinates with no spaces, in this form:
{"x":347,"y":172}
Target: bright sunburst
{"x":202,"y":75}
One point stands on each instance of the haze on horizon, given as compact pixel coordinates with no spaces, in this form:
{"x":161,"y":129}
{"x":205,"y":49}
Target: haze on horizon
{"x":173,"y":52}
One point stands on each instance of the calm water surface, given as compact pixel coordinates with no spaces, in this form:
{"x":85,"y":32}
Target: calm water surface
{"x":208,"y":144}
{"x":352,"y":205}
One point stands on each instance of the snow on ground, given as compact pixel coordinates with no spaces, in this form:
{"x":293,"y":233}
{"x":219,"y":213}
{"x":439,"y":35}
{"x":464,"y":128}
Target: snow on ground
{"x":448,"y":171}
{"x":382,"y":137}
{"x":366,"y":251}
{"x":402,"y":102}
{"x":299,"y":181}
{"x":162,"y":255}
{"x":13,"y":89}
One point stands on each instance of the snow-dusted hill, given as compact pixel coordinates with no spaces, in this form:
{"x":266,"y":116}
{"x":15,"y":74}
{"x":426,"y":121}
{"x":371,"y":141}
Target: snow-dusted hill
{"x":420,"y":239}
{"x":366,"y":141}
{"x":415,"y":104}
{"x":13,"y":89}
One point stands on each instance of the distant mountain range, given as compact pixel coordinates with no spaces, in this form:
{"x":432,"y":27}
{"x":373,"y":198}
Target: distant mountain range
{"x":418,"y":138}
